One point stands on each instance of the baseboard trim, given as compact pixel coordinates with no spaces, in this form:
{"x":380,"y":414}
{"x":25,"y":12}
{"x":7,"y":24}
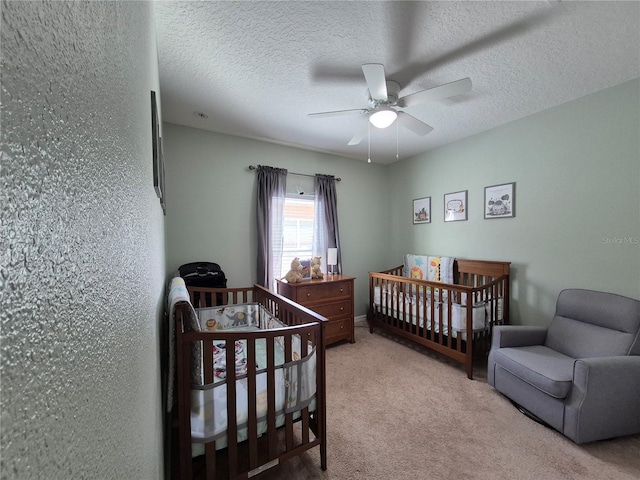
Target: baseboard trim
{"x":360,"y":321}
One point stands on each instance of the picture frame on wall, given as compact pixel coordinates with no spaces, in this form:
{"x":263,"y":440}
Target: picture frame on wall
{"x":455,"y":206}
{"x":422,"y":210}
{"x":157,"y":149}
{"x":500,"y":201}
{"x":163,"y":198}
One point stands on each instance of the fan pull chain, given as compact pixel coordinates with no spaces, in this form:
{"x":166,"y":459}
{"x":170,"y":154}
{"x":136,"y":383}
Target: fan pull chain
{"x":397,"y":155}
{"x":369,"y":142}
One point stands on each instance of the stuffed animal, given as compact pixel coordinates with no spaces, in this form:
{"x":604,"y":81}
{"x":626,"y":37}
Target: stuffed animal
{"x":316,"y":270}
{"x":295,"y":274}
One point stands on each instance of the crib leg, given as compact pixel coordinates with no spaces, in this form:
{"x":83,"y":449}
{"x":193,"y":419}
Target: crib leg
{"x":210,"y":459}
{"x":323,"y":455}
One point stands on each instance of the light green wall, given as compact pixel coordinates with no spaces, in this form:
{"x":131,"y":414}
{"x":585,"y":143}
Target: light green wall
{"x":211,"y":203}
{"x":577,"y":224}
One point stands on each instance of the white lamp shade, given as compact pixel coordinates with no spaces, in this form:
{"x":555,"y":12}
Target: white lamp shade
{"x":332,"y":256}
{"x":383,"y":118}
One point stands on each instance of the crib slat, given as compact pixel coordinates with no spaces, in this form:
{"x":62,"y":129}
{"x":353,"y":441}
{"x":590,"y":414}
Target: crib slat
{"x":288,"y":356}
{"x":183,"y":370}
{"x":253,"y":415}
{"x":209,"y":376}
{"x":305,"y":425}
{"x":210,"y":459}
{"x":271,"y":396}
{"x":232,"y":415}
{"x":207,"y":352}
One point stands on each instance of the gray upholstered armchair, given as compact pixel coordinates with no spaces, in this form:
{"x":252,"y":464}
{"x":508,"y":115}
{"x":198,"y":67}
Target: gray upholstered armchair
{"x":580,"y":375}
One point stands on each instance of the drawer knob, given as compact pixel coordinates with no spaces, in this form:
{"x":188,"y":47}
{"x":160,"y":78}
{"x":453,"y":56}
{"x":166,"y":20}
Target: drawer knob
{"x":308,"y":295}
{"x":341,"y":309}
{"x":341,"y":290}
{"x":341,"y":326}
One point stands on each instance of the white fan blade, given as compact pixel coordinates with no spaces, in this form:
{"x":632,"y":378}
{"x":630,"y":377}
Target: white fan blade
{"x":337,"y":112}
{"x":412,"y":123}
{"x":360,"y":134}
{"x":376,"y":81}
{"x":436,"y":93}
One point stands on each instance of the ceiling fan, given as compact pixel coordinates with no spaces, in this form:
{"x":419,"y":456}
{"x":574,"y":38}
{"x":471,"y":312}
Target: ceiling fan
{"x":385,"y":103}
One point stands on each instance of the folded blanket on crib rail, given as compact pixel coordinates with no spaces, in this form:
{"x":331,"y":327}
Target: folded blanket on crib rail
{"x":178,"y":293}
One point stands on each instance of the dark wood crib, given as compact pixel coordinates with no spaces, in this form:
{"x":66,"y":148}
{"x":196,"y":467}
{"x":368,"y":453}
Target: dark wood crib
{"x":266,"y":441}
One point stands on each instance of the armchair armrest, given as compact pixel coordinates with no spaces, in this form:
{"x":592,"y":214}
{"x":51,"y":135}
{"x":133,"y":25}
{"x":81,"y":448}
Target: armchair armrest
{"x":603,"y":402}
{"x":517,"y":336}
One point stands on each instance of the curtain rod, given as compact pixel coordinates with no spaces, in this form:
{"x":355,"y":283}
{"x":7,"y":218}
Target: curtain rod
{"x":252,"y":167}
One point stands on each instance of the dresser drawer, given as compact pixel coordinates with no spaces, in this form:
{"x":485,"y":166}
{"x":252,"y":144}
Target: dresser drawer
{"x":312,"y":293}
{"x":337,"y":329}
{"x":332,"y":310}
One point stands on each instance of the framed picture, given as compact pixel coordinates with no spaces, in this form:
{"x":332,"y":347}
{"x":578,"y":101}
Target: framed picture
{"x":455,"y":206}
{"x":422,"y":210}
{"x":500,"y":201}
{"x":163,"y":198}
{"x":306,"y":269}
{"x":157,"y":150}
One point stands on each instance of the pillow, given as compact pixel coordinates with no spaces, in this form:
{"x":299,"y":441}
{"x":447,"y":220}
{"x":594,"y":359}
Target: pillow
{"x":431,"y":268}
{"x":229,"y":317}
{"x":415,"y":266}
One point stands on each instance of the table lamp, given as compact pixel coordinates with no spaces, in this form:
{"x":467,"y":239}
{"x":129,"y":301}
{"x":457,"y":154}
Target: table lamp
{"x":332,"y":258}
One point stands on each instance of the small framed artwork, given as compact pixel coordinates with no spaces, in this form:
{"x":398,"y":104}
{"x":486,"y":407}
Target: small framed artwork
{"x":157,"y":150}
{"x":163,"y":199}
{"x":455,"y":206}
{"x":306,"y":269}
{"x":500,"y":201}
{"x":422,"y":210}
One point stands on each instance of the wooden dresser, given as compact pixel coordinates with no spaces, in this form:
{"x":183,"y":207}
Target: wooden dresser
{"x":331,"y":297}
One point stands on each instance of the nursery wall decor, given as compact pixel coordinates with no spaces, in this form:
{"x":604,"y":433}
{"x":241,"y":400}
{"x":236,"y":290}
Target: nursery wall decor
{"x":422,"y":210}
{"x":455,"y":206}
{"x":499,"y":201}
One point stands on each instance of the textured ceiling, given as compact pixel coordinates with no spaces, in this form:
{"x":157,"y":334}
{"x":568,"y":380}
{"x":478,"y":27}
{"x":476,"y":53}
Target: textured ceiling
{"x":257,"y":69}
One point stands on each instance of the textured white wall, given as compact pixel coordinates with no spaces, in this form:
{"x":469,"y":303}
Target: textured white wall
{"x":81,"y":242}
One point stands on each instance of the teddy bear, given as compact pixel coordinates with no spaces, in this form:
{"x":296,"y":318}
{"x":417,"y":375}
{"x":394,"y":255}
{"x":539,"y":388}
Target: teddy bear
{"x":295,"y":274}
{"x":316,"y":270}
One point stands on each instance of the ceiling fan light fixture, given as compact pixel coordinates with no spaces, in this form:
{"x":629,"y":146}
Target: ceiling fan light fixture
{"x":383,"y":117}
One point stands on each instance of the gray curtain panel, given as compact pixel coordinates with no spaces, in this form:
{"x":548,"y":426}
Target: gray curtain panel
{"x":327,"y":207}
{"x":271,"y":193}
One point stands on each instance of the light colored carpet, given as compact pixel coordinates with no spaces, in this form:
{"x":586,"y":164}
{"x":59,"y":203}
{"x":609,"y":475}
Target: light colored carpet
{"x":398,"y":411}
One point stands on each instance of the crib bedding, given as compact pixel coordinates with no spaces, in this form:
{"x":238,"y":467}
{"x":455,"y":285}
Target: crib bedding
{"x":416,"y":313}
{"x":295,"y":386}
{"x":397,"y":303}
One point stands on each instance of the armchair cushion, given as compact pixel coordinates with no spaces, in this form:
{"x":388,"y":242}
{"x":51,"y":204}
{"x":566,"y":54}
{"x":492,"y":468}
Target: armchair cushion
{"x":594,"y":324}
{"x":584,"y":340}
{"x":539,"y":366}
{"x":517,"y":336}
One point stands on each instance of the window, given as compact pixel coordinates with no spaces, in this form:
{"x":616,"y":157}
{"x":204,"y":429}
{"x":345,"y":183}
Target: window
{"x":299,"y":213}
